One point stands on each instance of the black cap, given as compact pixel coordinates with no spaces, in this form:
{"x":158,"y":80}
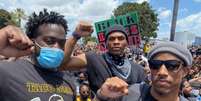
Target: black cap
{"x":116,"y":28}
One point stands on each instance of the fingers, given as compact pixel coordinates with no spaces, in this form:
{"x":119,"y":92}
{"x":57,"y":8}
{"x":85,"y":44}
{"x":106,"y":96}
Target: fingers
{"x":114,"y":87}
{"x":18,"y":39}
{"x":84,"y":28}
{"x":117,"y":85}
{"x":14,"y":43}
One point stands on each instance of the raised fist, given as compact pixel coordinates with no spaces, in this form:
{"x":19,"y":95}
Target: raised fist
{"x":83,"y":29}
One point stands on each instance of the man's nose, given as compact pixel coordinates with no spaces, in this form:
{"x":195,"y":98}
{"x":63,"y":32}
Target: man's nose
{"x":116,"y":41}
{"x":57,"y":45}
{"x":163,"y":71}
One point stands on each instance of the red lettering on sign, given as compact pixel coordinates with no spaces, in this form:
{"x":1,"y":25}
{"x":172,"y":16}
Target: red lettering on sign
{"x":134,"y":29}
{"x":101,"y":37}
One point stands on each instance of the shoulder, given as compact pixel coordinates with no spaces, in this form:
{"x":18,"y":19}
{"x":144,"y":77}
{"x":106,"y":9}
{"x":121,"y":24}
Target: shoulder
{"x":13,"y":66}
{"x":90,"y":53}
{"x":182,"y":98}
{"x":137,"y":67}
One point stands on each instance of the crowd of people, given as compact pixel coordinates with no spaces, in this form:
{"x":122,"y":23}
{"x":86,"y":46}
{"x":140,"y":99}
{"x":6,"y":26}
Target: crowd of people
{"x":42,"y":65}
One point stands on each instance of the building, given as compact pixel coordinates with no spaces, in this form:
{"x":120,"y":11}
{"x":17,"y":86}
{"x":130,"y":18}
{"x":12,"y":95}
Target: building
{"x":185,"y":38}
{"x":197,"y":40}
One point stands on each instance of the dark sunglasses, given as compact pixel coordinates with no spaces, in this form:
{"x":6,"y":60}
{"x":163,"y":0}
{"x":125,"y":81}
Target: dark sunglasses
{"x":171,"y":65}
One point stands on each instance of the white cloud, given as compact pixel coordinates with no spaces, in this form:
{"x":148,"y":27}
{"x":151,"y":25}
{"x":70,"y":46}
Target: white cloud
{"x":190,"y":23}
{"x":140,"y":1}
{"x":163,"y":13}
{"x":73,"y":10}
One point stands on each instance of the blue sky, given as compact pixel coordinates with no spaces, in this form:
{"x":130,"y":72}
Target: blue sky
{"x":189,"y":15}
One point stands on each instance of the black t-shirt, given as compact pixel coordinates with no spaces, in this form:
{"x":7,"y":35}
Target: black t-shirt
{"x":22,"y":81}
{"x":141,"y":92}
{"x":98,"y":71}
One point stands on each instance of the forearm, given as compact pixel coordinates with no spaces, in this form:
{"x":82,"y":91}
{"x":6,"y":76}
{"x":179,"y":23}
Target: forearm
{"x":68,"y":49}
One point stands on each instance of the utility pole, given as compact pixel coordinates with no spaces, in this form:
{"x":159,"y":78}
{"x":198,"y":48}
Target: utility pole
{"x":174,"y":20}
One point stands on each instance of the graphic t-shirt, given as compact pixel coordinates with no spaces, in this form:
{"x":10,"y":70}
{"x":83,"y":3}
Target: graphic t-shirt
{"x":23,"y":81}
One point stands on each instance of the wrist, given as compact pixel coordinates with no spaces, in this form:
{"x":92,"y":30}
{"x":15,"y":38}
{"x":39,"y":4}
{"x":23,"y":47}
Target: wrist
{"x":101,"y":97}
{"x":76,"y":35}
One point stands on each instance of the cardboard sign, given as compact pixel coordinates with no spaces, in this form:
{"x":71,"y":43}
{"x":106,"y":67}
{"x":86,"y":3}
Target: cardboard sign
{"x":129,"y":21}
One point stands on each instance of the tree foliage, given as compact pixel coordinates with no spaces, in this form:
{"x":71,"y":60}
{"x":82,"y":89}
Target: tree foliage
{"x":17,"y":15}
{"x":147,"y":16}
{"x":89,"y":38}
{"x":6,"y":17}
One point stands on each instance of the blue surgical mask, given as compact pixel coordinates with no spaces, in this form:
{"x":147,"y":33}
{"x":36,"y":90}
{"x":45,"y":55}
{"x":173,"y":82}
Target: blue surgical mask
{"x":50,"y":58}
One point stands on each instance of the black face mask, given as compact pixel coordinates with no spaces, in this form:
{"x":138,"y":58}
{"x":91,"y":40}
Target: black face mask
{"x":118,"y":60}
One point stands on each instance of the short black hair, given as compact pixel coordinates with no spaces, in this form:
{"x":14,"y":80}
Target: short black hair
{"x":44,"y":17}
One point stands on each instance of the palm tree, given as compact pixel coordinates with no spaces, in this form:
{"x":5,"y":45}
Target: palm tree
{"x":17,"y":15}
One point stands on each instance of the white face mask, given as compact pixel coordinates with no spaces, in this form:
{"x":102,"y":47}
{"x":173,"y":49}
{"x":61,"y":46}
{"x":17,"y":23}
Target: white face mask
{"x":194,"y":92}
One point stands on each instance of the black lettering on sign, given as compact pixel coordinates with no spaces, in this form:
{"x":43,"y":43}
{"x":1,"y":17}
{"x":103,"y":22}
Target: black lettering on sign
{"x":118,"y":21}
{"x":129,"y":20}
{"x":103,"y":26}
{"x":108,"y":24}
{"x":99,"y":27}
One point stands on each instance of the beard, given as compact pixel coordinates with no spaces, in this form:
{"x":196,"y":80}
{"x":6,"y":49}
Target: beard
{"x":162,"y":86}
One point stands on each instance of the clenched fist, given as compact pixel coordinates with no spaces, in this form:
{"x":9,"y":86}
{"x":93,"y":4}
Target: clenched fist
{"x":83,"y":29}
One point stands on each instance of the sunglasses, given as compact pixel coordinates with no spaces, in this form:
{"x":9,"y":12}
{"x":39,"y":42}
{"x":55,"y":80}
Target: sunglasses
{"x":171,"y":65}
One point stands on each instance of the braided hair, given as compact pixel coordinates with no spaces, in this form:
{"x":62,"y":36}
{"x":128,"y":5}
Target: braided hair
{"x":44,"y":17}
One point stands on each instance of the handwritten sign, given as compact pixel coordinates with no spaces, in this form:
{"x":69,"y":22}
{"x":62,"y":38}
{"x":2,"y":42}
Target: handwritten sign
{"x":130,"y":22}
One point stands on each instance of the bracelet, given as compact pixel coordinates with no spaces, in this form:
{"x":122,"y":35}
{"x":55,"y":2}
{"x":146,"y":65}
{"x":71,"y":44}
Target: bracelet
{"x":101,"y":97}
{"x":76,"y":35}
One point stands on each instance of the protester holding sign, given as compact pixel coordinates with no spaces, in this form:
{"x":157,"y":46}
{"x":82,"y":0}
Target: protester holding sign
{"x":110,"y":64}
{"x":169,"y":63}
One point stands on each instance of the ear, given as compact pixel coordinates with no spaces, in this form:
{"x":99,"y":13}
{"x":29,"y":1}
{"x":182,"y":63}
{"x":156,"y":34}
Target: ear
{"x":185,"y":71}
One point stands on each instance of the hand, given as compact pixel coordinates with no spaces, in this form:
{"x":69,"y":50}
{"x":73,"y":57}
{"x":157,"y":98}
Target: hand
{"x":84,"y":29}
{"x":113,"y":88}
{"x":14,"y":43}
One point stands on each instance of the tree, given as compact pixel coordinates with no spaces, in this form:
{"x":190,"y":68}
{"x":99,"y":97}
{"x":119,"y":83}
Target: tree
{"x":89,"y":38}
{"x":148,"y":18}
{"x":17,"y":15}
{"x":5,"y":18}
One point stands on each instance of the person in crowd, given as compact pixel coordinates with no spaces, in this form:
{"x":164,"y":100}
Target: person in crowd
{"x":112,"y":63}
{"x":85,"y":93}
{"x":169,"y":63}
{"x":188,"y":92}
{"x":37,"y":77}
